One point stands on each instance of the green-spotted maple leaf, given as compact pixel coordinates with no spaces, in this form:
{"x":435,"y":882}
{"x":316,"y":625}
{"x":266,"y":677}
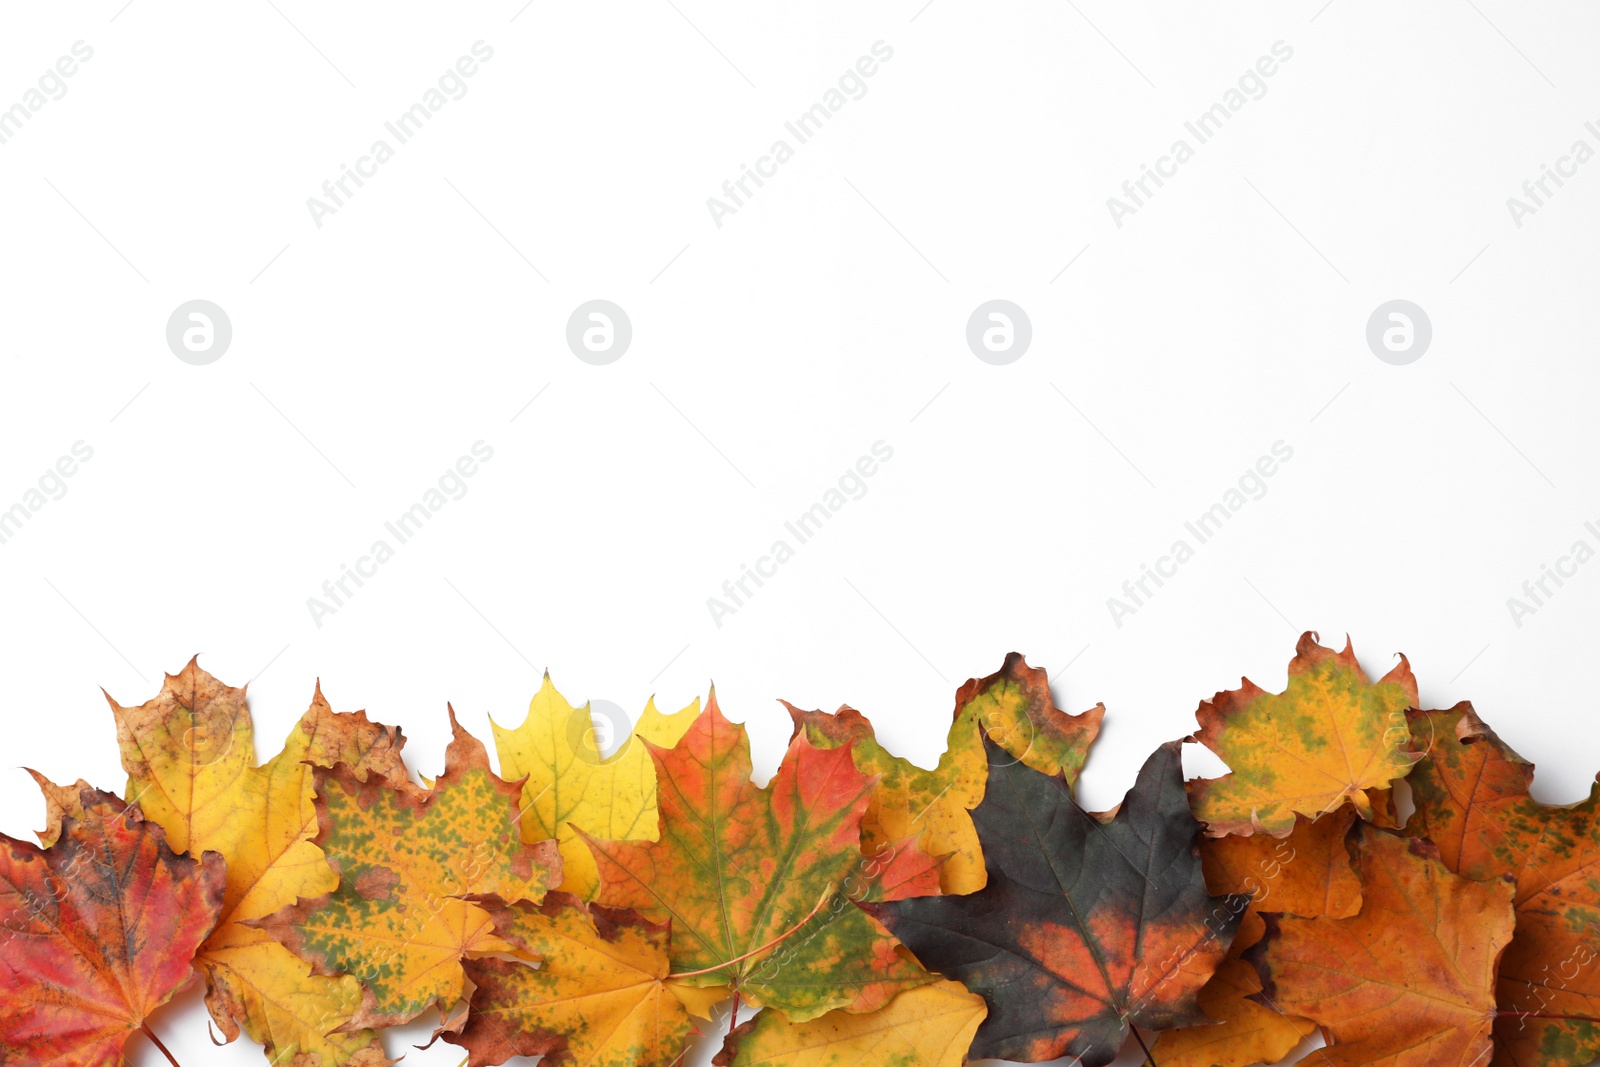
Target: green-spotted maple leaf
{"x":409,"y":862}
{"x":1088,"y":924}
{"x":1330,"y":737}
{"x":1472,"y":801}
{"x":1013,"y":707}
{"x":97,"y":931}
{"x":600,"y":995}
{"x":191,"y":762}
{"x":1406,"y":982}
{"x":759,"y":884}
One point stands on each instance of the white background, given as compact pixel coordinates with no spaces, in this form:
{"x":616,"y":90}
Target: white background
{"x":768,"y":354}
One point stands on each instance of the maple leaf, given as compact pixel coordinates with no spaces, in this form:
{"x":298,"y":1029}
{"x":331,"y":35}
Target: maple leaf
{"x":1472,"y":801}
{"x":758,"y":883}
{"x":1407,"y":981}
{"x":1245,"y":1031}
{"x":190,"y":758}
{"x":60,"y":802}
{"x":909,"y":800}
{"x":1331,"y":736}
{"x":97,"y":931}
{"x":1014,"y":709}
{"x":569,"y":784}
{"x":600,"y":997}
{"x":1013,"y":706}
{"x":930,"y":1026}
{"x":408,"y":860}
{"x":1087,"y":925}
{"x":1307,"y":873}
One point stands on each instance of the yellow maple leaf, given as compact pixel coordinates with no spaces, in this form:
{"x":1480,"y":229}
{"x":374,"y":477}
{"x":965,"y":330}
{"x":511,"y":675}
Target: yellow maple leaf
{"x":191,"y":763}
{"x":600,"y":997}
{"x":1244,"y":1030}
{"x":929,"y":1026}
{"x":569,"y":785}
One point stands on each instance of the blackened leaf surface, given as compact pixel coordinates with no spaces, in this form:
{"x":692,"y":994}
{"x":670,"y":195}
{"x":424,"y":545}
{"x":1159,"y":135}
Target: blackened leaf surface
{"x":1087,"y":925}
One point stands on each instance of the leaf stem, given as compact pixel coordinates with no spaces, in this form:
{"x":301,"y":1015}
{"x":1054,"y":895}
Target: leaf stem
{"x":1149,"y":1059}
{"x":156,"y":1041}
{"x":757,"y":951}
{"x":733,"y":1016}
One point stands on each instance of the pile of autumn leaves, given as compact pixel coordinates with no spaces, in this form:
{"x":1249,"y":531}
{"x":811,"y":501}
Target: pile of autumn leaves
{"x":589,"y":910}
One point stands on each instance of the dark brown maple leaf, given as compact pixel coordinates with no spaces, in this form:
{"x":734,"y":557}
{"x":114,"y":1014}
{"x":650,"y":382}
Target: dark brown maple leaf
{"x":1088,"y":925}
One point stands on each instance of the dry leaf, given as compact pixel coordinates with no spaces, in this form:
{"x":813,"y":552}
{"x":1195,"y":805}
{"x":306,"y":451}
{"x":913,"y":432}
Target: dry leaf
{"x":1473,"y":803}
{"x":1407,"y":982}
{"x":190,"y":758}
{"x":409,"y":861}
{"x":599,"y":997}
{"x":758,"y":883}
{"x":1330,"y":737}
{"x":930,"y":1026}
{"x":97,"y":931}
{"x":570,"y":785}
{"x":1014,"y":707}
{"x":1087,"y":926}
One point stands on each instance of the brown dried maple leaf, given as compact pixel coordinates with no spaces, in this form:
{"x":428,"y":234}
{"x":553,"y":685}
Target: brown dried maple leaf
{"x":1407,"y":982}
